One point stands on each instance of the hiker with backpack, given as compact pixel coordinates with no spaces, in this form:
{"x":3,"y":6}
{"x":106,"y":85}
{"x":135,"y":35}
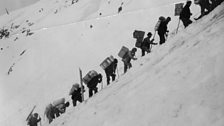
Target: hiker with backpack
{"x":186,"y":14}
{"x":205,"y":6}
{"x":162,"y":29}
{"x":49,"y":112}
{"x":76,"y":94}
{"x":61,"y":108}
{"x":111,"y":71}
{"x":127,"y":59}
{"x":146,"y":44}
{"x":139,"y":36}
{"x":56,"y":108}
{"x":92,"y":79}
{"x":33,"y":120}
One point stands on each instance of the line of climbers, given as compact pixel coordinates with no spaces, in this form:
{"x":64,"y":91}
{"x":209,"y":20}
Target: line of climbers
{"x":109,"y":65}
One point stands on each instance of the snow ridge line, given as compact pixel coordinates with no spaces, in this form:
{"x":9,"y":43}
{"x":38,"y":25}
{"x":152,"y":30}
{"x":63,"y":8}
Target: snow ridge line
{"x":98,"y":18}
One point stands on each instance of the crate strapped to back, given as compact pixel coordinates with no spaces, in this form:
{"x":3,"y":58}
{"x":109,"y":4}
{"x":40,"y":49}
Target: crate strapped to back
{"x":89,"y":76}
{"x":124,"y":50}
{"x":138,"y":34}
{"x":107,"y":62}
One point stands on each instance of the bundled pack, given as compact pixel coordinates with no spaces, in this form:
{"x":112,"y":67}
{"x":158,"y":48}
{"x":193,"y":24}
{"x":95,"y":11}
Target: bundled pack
{"x":89,"y":76}
{"x":107,"y":62}
{"x":58,"y":102}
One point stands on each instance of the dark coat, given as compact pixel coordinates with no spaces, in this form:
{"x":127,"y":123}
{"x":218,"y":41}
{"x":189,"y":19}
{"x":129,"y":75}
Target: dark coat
{"x":147,"y":42}
{"x":76,"y":94}
{"x":163,"y":27}
{"x":94,"y":81}
{"x":128,"y":56}
{"x":185,"y":13}
{"x":111,"y":69}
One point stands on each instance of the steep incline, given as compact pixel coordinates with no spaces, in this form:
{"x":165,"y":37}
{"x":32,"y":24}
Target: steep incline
{"x":179,"y":84}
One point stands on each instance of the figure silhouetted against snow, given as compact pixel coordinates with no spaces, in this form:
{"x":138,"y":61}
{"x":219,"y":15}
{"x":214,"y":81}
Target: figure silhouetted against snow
{"x":33,"y":120}
{"x":186,"y":14}
{"x":76,"y":94}
{"x":127,"y":59}
{"x":162,"y":29}
{"x":146,"y":44}
{"x":111,"y":71}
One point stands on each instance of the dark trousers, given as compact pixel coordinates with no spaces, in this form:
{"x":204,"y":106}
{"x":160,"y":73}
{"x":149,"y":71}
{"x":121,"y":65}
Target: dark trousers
{"x":76,"y":98}
{"x":91,"y":90}
{"x":162,"y":38}
{"x":145,"y":49}
{"x":127,"y":66}
{"x":143,"y":52}
{"x":108,"y":78}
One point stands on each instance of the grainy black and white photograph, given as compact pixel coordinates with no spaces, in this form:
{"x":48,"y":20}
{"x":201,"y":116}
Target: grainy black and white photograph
{"x":111,"y":63}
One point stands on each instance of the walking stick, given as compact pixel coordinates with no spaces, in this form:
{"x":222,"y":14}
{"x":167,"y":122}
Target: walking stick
{"x":81,"y":82}
{"x":153,"y":39}
{"x":154,"y":35}
{"x":117,"y":74}
{"x":101,"y":84}
{"x":178,"y":25}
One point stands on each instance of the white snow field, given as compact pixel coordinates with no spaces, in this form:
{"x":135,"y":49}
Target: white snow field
{"x":179,"y":83}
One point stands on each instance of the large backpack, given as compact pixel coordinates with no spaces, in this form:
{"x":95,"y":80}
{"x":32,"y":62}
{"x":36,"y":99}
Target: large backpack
{"x":124,"y":50}
{"x":161,"y":19}
{"x":74,"y":87}
{"x":89,"y":76}
{"x":107,"y":62}
{"x":58,"y":102}
{"x":139,"y":35}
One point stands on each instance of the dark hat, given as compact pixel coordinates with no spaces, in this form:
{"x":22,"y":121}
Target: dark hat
{"x":189,"y":2}
{"x":134,"y":50}
{"x":67,"y":104}
{"x":149,"y":34}
{"x":168,"y":18}
{"x":115,"y":60}
{"x":35,"y":115}
{"x":100,"y":75}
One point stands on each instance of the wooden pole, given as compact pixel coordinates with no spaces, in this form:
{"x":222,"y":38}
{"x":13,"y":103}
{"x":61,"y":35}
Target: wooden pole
{"x":7,"y":11}
{"x":81,"y":82}
{"x":178,"y":25}
{"x":154,"y":35}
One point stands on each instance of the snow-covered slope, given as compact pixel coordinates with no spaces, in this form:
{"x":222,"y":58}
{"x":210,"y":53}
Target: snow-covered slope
{"x":180,"y":83}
